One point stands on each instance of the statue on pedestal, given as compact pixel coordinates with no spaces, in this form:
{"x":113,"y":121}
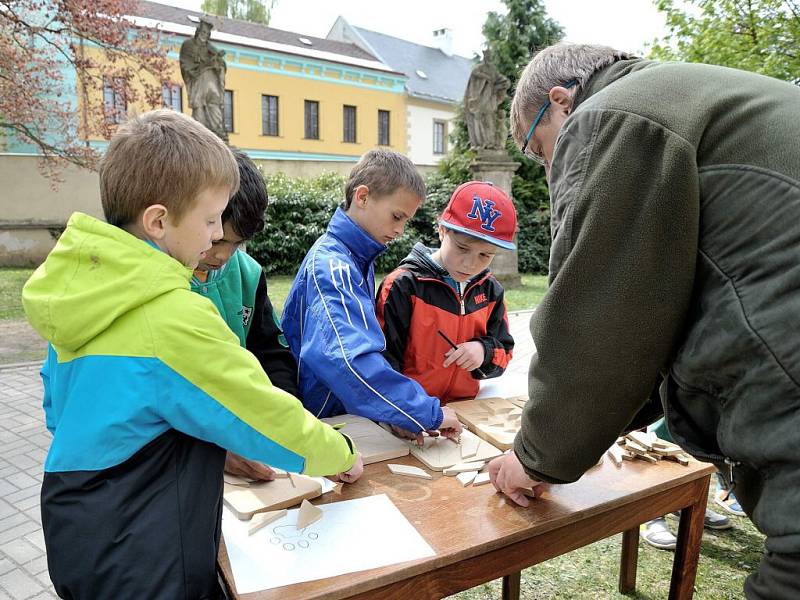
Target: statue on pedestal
{"x":203,"y":70}
{"x":486,"y":121}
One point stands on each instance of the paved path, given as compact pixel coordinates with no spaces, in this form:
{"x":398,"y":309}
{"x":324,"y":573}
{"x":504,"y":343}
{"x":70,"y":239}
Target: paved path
{"x":24,"y":441}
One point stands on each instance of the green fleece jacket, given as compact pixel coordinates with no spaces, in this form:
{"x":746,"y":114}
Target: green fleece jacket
{"x":675,"y":201}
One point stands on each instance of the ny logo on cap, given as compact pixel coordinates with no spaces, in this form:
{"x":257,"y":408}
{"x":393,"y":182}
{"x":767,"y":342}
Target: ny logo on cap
{"x":484,"y":210}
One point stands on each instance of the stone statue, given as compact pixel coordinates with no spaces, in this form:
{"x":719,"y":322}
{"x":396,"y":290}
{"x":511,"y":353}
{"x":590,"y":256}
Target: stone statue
{"x":203,"y":71}
{"x":486,"y":122}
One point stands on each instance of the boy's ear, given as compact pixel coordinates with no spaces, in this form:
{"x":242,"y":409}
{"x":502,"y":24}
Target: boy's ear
{"x":360,"y":195}
{"x":441,"y":233}
{"x":154,"y":221}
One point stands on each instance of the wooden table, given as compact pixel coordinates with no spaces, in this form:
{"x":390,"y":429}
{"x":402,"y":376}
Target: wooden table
{"x":479,"y":536}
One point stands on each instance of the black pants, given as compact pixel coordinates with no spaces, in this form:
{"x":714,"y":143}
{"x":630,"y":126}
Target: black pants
{"x":777,"y":578}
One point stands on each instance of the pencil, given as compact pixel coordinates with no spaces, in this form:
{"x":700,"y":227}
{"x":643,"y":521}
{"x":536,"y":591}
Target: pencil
{"x":454,"y":347}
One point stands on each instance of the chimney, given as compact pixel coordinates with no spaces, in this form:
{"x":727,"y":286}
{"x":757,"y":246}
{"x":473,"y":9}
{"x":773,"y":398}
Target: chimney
{"x":443,"y":40}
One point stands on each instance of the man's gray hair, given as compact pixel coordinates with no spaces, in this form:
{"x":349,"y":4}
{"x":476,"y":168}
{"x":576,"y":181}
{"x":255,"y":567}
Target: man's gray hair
{"x":553,"y":66}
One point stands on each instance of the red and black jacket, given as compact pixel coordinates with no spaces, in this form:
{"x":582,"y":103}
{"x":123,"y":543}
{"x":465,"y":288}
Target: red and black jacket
{"x":415,"y":300}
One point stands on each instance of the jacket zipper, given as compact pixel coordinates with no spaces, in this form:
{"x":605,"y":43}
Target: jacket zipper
{"x":463,"y":312}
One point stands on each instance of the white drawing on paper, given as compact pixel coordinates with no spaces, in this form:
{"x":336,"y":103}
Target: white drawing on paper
{"x":291,"y":538}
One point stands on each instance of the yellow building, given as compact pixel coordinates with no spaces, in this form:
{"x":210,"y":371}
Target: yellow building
{"x":292,"y":98}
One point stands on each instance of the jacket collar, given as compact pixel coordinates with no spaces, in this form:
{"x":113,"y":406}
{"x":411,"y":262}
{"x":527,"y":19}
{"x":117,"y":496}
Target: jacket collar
{"x":360,"y":244}
{"x":608,"y":75}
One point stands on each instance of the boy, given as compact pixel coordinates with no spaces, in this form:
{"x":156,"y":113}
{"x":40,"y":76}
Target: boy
{"x":329,"y":317}
{"x":435,"y":298}
{"x":144,"y":383}
{"x":236,"y":284}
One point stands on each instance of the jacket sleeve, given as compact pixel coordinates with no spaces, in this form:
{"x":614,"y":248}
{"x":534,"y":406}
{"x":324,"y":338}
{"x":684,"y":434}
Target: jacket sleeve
{"x":498,"y":345}
{"x":625,"y":201}
{"x":393,"y":308}
{"x":342,"y":343}
{"x":47,"y":402}
{"x":215,"y":390}
{"x":265,"y":340}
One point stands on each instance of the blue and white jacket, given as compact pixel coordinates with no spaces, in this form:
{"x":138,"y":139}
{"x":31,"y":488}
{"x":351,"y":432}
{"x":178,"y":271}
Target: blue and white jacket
{"x":330,"y":323}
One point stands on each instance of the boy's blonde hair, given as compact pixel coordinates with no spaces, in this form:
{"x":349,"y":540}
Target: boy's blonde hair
{"x":162,"y":157}
{"x":384,"y":172}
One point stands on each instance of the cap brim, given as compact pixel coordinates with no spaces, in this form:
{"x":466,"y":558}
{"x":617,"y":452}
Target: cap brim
{"x":480,"y":236}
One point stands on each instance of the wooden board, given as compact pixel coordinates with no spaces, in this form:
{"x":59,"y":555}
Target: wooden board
{"x":269,"y":495}
{"x":373,"y":441}
{"x":438,"y":453}
{"x":495,"y":420}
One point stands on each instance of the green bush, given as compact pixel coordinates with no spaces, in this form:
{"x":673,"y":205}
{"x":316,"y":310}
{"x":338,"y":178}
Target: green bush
{"x":299,"y":211}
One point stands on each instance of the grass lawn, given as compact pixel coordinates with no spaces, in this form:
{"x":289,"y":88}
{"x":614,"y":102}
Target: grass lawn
{"x":11,"y":282}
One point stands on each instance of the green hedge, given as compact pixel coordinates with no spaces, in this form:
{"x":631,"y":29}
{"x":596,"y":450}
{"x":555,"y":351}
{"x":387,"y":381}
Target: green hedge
{"x":299,"y":211}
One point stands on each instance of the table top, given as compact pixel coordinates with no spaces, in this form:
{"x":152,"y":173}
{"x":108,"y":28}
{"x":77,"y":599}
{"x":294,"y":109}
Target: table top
{"x":463,"y":522}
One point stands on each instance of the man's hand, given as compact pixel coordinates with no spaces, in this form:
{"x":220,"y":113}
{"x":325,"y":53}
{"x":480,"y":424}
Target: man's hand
{"x":355,"y":471}
{"x":508,"y":477}
{"x":468,"y":356}
{"x":247,"y":469}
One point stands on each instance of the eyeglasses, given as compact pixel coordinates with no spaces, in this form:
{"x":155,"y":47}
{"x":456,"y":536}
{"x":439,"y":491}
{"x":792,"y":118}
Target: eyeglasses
{"x":530,"y":153}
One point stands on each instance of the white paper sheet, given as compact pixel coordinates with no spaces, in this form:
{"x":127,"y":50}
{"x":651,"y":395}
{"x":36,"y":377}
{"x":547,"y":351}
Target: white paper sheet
{"x":352,"y":535}
{"x":508,"y":385}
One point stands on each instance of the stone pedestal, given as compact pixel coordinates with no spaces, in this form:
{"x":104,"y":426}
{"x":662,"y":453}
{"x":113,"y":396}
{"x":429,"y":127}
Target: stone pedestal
{"x":496,"y":168}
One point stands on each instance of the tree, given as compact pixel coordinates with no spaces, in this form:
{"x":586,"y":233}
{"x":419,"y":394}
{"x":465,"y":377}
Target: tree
{"x":513,"y":38}
{"x":755,"y":35}
{"x":44,"y":44}
{"x":255,"y":11}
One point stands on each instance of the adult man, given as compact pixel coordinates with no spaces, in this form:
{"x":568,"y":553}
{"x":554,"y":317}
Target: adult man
{"x":675,"y":195}
{"x":203,"y":71}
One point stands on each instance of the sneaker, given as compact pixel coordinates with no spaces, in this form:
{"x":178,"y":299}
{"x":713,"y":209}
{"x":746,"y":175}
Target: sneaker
{"x":658,"y":535}
{"x":727,"y":500}
{"x":712,"y":520}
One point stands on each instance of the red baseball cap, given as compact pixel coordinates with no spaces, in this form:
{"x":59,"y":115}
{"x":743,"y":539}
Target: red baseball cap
{"x":484,"y":211}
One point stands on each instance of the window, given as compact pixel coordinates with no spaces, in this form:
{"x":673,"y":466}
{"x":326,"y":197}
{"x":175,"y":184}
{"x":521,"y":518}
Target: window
{"x":383,"y":127}
{"x":171,"y":96}
{"x":269,"y":115}
{"x":227,"y":111}
{"x":349,"y":134}
{"x":115,"y":107}
{"x":312,"y":119}
{"x":439,"y":137}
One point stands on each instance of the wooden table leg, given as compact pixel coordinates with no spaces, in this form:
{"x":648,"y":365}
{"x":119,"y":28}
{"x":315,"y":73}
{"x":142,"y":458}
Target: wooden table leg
{"x":628,"y":560}
{"x":511,"y":586}
{"x":687,"y":552}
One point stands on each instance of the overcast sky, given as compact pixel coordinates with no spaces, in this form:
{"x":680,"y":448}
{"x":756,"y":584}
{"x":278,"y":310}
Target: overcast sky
{"x":623,"y":24}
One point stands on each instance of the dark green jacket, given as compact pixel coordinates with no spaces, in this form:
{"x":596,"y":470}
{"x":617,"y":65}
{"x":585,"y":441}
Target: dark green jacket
{"x":239,"y":291}
{"x":675,"y":192}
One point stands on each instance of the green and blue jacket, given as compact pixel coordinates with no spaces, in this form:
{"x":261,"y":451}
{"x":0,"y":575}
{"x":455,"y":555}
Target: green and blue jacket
{"x":145,"y":386}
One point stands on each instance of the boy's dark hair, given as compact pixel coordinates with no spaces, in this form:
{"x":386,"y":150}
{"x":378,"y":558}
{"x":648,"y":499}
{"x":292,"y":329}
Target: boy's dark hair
{"x":383,"y":172}
{"x":245,"y":211}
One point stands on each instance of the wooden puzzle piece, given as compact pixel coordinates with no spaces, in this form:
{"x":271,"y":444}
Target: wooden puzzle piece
{"x":466,"y":477}
{"x":463,"y":467}
{"x":495,"y":420}
{"x":469,"y":446}
{"x":615,"y":452}
{"x":308,"y":514}
{"x":409,"y":471}
{"x":263,"y":519}
{"x":481,"y":479}
{"x":438,"y":453}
